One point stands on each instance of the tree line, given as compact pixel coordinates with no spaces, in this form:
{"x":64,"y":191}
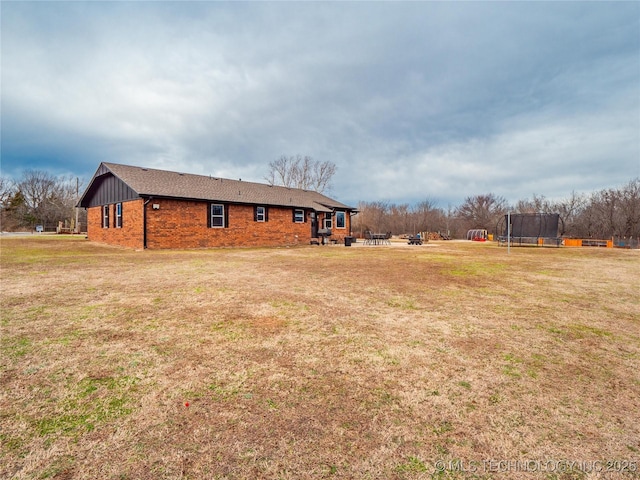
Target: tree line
{"x":613,"y":212}
{"x":40,"y":198}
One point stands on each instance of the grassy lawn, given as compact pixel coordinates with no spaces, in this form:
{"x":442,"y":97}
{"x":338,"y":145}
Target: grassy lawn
{"x":317,"y":362}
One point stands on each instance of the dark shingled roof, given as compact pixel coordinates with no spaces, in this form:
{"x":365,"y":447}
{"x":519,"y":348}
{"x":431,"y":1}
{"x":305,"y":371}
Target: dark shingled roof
{"x":147,"y":182}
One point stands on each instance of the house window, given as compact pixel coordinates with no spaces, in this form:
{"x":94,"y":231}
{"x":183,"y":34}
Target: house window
{"x":105,"y":216}
{"x":328,"y":221}
{"x":340,"y":220}
{"x":118,"y":215}
{"x":217,"y":216}
{"x":261,"y":214}
{"x":298,"y":215}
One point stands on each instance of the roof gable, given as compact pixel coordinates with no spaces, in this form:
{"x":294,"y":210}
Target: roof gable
{"x":147,"y":182}
{"x":105,"y":188}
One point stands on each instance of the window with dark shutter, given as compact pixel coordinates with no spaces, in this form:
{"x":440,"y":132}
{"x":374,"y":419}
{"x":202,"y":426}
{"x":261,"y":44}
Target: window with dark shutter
{"x":328,"y":221}
{"x":105,"y":216}
{"x":118,"y":214}
{"x":217,"y":217}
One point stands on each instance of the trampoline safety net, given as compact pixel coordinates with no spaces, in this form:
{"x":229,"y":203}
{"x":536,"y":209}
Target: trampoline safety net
{"x":530,"y":228}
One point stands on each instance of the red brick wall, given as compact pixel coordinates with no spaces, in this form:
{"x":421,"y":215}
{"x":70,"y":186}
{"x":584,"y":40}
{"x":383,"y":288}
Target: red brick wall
{"x":131,"y":233}
{"x":183,"y":224}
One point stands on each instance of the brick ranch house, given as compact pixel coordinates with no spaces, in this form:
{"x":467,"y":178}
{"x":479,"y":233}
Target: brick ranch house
{"x":140,"y":208}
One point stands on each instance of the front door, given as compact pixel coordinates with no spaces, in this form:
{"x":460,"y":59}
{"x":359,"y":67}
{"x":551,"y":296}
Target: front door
{"x":314,"y":225}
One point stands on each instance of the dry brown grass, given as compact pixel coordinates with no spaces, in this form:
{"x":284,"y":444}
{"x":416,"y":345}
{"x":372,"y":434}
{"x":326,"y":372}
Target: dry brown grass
{"x":316,"y":362}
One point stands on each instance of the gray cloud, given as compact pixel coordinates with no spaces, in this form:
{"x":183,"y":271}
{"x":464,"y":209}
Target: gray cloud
{"x":410,"y":100}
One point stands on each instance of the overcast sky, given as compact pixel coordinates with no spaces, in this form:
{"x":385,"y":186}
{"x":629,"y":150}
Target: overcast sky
{"x":411,"y":101}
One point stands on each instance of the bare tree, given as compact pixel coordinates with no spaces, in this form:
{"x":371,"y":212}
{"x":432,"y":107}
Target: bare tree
{"x":428,"y":217}
{"x":38,"y":188}
{"x":372,"y":216}
{"x":7,"y":190}
{"x":482,"y":211}
{"x":538,"y":204}
{"x":630,"y":206}
{"x":301,"y":172}
{"x":602,"y":214}
{"x":41,"y":197}
{"x":570,"y":210}
{"x":399,"y":218}
{"x":450,"y":223}
{"x":281,"y":172}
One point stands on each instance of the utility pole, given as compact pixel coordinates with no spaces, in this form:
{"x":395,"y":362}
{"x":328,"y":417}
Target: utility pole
{"x":508,"y":233}
{"x":77,"y":229}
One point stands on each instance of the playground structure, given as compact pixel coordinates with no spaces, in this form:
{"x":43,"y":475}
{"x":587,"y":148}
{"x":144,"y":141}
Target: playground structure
{"x":478,"y":235}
